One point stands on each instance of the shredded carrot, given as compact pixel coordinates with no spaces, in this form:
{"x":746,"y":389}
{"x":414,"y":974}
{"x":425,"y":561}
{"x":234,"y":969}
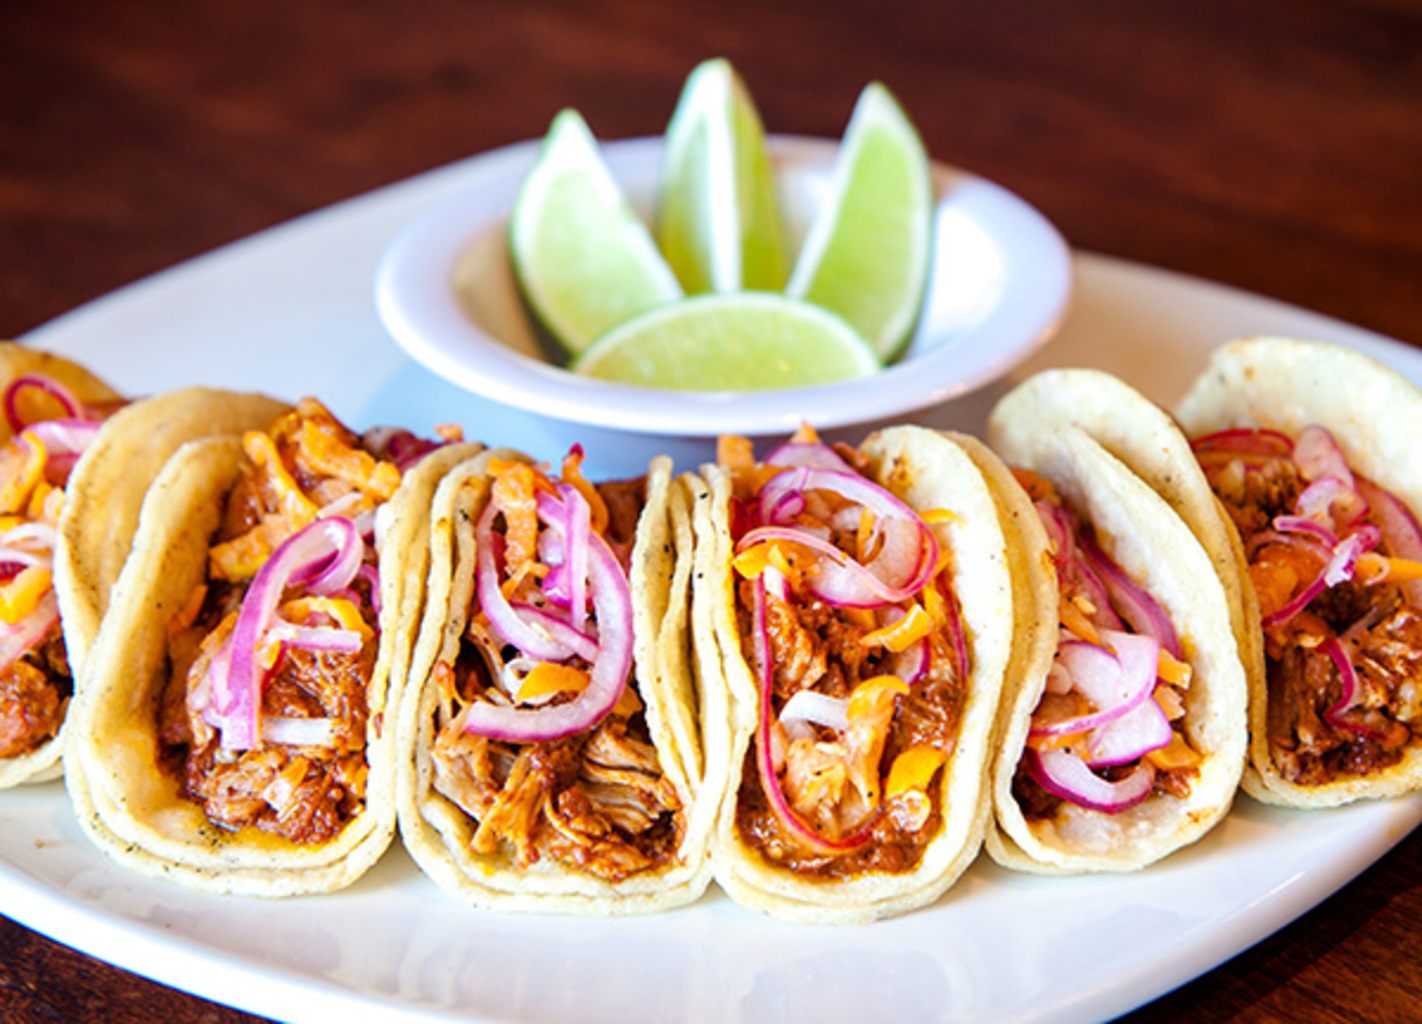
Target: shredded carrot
{"x":935,"y":516}
{"x":1376,"y":568}
{"x":513,"y":495}
{"x":1047,"y":742}
{"x":902,"y":633}
{"x":805,"y":434}
{"x":22,"y":593}
{"x":1178,"y":754}
{"x":865,"y":698}
{"x":914,"y":769}
{"x":573,"y":475}
{"x":338,"y":610}
{"x":22,"y":463}
{"x":188,"y":613}
{"x":1038,"y":487}
{"x":628,"y":704}
{"x":1173,"y":670}
{"x":1076,"y":622}
{"x":864,"y":536}
{"x":550,"y":677}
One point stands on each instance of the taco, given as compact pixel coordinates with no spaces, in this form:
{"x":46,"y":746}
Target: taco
{"x":1315,"y":452}
{"x":74,"y":463}
{"x":230,"y":734}
{"x":1122,"y":729}
{"x":853,"y":622}
{"x":549,"y":753}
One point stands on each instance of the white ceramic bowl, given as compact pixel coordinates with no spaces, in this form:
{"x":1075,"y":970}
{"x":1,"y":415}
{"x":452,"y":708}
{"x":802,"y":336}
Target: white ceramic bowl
{"x":445,"y":290}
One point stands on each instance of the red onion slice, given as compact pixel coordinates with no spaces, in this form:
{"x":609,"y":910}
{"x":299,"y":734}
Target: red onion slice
{"x":799,"y":829}
{"x":814,"y":454}
{"x":612,"y":609}
{"x":1130,"y":737}
{"x":1135,"y":604}
{"x":308,"y":555}
{"x":908,"y":552}
{"x":1246,"y":440}
{"x":73,"y":407}
{"x":1064,"y":774}
{"x":1399,"y":530}
{"x":1317,"y":455}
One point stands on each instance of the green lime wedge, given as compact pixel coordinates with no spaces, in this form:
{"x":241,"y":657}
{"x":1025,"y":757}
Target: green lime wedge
{"x":732,"y":341}
{"x":867,"y":252}
{"x":718,"y":219}
{"x":583,"y":259}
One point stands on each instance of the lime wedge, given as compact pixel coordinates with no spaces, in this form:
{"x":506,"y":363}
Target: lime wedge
{"x":583,"y":259}
{"x":733,"y":341}
{"x":866,"y":255}
{"x":718,"y":220}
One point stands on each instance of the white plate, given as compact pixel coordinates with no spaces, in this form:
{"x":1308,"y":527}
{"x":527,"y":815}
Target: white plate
{"x":445,"y":289}
{"x":289,"y":311}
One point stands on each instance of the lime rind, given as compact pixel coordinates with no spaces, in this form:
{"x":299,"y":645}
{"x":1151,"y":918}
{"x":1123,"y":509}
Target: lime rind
{"x":868,"y":251}
{"x":718,"y":216}
{"x":583,"y":259}
{"x":742,"y":341}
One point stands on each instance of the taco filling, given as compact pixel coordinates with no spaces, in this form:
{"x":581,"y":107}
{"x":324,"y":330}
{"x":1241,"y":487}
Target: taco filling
{"x":1108,"y":731}
{"x":850,"y":625}
{"x":1336,"y":564}
{"x":264,"y":719}
{"x":540,"y":734}
{"x":50,"y":429}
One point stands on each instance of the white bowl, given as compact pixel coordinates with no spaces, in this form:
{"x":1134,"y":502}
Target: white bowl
{"x":445,"y":290}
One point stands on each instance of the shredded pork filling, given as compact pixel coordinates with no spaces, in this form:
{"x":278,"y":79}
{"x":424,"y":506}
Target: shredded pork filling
{"x":815,"y":646}
{"x":304,"y":792}
{"x":596,"y":801}
{"x":1383,"y":631}
{"x":34,"y":693}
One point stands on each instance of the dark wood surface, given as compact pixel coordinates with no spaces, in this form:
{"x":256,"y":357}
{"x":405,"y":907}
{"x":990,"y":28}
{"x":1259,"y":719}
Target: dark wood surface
{"x":1275,"y":145}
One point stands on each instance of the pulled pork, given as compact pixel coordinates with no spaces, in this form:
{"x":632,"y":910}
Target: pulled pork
{"x":1380,"y":631}
{"x":308,"y":465}
{"x":34,"y":693}
{"x":598,"y":802}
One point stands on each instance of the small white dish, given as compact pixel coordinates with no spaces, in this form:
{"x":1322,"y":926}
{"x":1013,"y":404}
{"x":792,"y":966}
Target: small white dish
{"x":445,"y":290}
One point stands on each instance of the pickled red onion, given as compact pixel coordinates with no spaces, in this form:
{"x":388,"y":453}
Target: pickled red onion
{"x":612,"y":611}
{"x":316,"y":555}
{"x":1064,"y":774}
{"x":73,"y":407}
{"x":791,"y":821}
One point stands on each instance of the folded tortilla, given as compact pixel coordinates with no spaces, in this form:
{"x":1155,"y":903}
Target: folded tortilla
{"x":1135,"y":530}
{"x":927,"y":794}
{"x":102,"y":493}
{"x":143,"y":715}
{"x":611,"y":818}
{"x":1374,"y":416}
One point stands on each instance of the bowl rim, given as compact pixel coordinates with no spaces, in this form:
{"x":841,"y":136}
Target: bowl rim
{"x":417,"y":304}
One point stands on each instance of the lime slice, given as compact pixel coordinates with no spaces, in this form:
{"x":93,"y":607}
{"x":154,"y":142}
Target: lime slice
{"x":734,"y":341}
{"x":583,"y":259}
{"x":867,"y":253}
{"x":718,"y":220}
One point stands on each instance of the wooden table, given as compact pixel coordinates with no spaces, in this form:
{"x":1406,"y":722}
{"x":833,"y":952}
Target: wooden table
{"x":1275,"y":145}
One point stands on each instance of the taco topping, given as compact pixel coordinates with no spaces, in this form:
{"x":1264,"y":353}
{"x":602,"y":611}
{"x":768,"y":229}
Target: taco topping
{"x":35,"y":464}
{"x":1108,"y":730}
{"x":1336,"y":563}
{"x":852,"y":628}
{"x":541,"y":736}
{"x":265,"y":716}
